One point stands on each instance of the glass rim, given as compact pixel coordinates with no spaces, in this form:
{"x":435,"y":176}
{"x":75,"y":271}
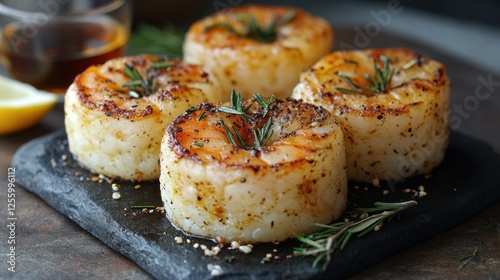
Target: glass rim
{"x":99,"y":10}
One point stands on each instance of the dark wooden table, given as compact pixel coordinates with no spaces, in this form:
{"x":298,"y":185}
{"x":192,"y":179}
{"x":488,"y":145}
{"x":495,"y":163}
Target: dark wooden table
{"x":50,"y":246}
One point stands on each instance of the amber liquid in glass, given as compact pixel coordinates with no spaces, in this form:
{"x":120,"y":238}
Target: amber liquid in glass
{"x":56,"y":53}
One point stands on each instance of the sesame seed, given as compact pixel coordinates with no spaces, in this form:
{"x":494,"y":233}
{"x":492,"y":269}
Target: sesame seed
{"x":385,"y":192}
{"x":245,"y":249}
{"x":196,"y":245}
{"x":267,"y":258}
{"x":235,"y":245}
{"x":188,"y":241}
{"x":421,"y":188}
{"x":376,"y":182}
{"x":178,"y":239}
{"x":215,"y":269}
{"x":136,"y":187}
{"x":116,"y":195}
{"x":115,"y":187}
{"x":422,"y":193}
{"x":213,"y":252}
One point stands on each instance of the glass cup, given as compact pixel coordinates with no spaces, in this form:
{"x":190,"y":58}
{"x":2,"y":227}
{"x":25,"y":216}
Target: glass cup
{"x":47,"y":43}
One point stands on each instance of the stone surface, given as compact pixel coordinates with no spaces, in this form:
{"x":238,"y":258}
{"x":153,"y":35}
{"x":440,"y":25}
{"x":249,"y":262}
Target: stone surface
{"x":465,"y":183}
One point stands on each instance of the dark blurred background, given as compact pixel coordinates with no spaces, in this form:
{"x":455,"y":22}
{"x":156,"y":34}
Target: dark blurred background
{"x":184,"y":12}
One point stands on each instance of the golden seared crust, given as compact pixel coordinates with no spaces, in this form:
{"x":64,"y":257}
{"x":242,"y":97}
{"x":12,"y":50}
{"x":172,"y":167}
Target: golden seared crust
{"x":188,"y":128}
{"x":222,"y":38}
{"x":425,"y":76}
{"x":102,"y":87}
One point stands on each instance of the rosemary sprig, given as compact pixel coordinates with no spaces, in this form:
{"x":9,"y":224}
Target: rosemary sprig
{"x":139,"y":86}
{"x":142,"y":86}
{"x":265,"y":34}
{"x":322,"y":243}
{"x":261,"y":135}
{"x":236,"y":106}
{"x":230,"y":137}
{"x":264,"y":103}
{"x":467,"y":259}
{"x":379,"y":81}
{"x":159,"y":41}
{"x":142,"y":207}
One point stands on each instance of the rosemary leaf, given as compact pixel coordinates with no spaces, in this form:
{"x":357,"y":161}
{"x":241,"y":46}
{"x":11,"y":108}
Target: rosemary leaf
{"x":229,"y":135}
{"x":265,"y":104}
{"x":238,"y":137}
{"x":230,"y":111}
{"x":410,"y":64}
{"x":200,"y":117}
{"x":198,"y":144}
{"x":142,"y":207}
{"x":132,"y":83}
{"x":467,"y":259}
{"x":349,"y":81}
{"x":308,"y":241}
{"x":161,"y":64}
{"x":286,"y":18}
{"x":362,"y":226}
{"x":346,"y":90}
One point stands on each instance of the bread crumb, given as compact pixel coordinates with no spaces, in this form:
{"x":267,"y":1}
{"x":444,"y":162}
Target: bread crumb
{"x":215,"y":269}
{"x":178,"y":240}
{"x":235,"y":245}
{"x":245,"y":249}
{"x":116,"y":195}
{"x":422,"y":193}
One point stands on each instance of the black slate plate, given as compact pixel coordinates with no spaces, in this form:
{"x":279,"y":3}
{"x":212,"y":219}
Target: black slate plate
{"x":466,"y":182}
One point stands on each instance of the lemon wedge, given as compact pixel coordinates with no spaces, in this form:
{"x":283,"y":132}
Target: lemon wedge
{"x":22,"y":105}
